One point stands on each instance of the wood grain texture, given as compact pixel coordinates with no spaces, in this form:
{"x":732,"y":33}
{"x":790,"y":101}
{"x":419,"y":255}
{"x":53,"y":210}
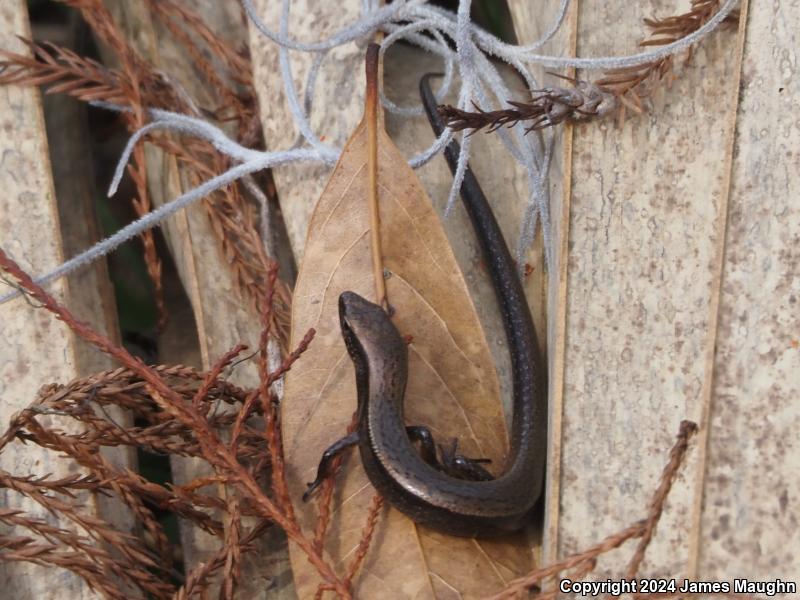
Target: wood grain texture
{"x":531,"y":26}
{"x":91,"y":293}
{"x":34,"y":348}
{"x":647,"y":211}
{"x":336,"y":108}
{"x":750,"y":509}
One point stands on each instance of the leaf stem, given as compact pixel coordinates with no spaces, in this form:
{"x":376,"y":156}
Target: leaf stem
{"x":371,"y":116}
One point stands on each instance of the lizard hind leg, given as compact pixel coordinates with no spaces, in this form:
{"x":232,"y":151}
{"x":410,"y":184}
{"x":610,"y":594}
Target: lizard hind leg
{"x":325,"y":468}
{"x":462,"y":467}
{"x":454,"y":464}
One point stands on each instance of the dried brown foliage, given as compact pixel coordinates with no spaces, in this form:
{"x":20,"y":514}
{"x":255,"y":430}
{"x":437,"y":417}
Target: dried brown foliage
{"x":549,"y":107}
{"x":177,"y":406}
{"x":633,"y":85}
{"x":138,"y":85}
{"x":176,"y":411}
{"x":618,"y":91}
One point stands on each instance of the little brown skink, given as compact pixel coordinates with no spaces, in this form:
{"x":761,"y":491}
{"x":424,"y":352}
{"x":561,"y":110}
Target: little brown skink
{"x":417,"y":483}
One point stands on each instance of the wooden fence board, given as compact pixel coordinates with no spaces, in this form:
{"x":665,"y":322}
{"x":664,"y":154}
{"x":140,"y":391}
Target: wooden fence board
{"x":530,"y":26}
{"x":735,"y":515}
{"x":336,"y":109}
{"x":647,"y":212}
{"x":750,"y":510}
{"x":91,"y":293}
{"x":35,"y":348}
{"x":223,"y":316}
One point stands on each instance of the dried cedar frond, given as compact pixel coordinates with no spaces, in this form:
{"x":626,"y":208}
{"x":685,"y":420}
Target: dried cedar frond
{"x":618,"y":91}
{"x":64,"y":72}
{"x":549,"y":107}
{"x":241,"y":479}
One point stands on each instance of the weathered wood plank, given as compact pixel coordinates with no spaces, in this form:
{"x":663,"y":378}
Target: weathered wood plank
{"x":91,"y":294}
{"x":223,"y":316}
{"x":73,"y":175}
{"x":35,"y":348}
{"x":750,"y":510}
{"x":530,"y":27}
{"x":336,"y":109}
{"x":647,"y":209}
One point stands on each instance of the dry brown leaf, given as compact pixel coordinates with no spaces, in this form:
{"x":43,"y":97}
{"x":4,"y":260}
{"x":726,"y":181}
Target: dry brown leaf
{"x":452,"y":385}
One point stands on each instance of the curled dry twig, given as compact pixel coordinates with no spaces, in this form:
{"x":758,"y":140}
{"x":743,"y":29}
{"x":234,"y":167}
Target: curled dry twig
{"x":616,"y":92}
{"x":584,"y":561}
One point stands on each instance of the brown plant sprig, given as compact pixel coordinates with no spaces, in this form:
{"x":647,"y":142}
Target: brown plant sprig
{"x":25,"y":549}
{"x":187,"y":408}
{"x":64,"y":71}
{"x":197,"y":580}
{"x":618,"y":91}
{"x":548,"y":108}
{"x":113,"y":569}
{"x":584,"y":562}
